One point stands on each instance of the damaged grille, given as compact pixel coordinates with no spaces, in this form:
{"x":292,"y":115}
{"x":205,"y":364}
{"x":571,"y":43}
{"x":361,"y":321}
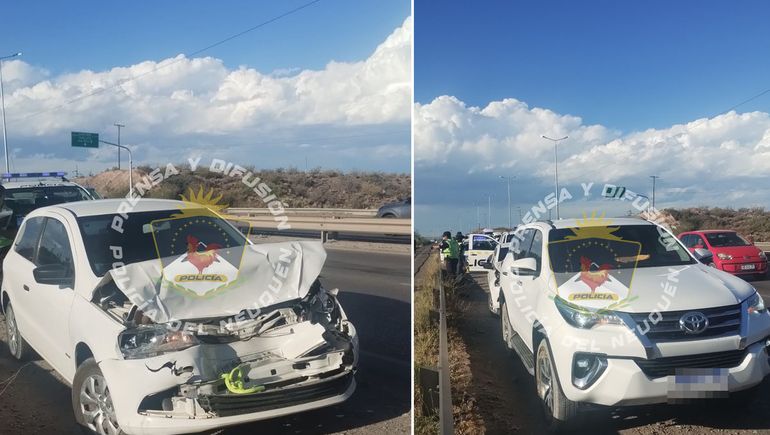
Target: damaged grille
{"x":659,"y":367}
{"x":234,"y":404}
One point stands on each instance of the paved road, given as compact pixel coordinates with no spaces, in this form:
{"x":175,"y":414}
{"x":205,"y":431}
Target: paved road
{"x":499,"y":374}
{"x":375,"y":292}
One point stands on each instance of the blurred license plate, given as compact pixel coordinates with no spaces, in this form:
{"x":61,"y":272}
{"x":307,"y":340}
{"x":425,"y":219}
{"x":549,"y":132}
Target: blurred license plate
{"x":748,"y":266}
{"x":697,"y":384}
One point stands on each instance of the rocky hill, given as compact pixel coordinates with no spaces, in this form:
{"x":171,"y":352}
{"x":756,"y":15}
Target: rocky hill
{"x":296,"y":189}
{"x":750,"y":222}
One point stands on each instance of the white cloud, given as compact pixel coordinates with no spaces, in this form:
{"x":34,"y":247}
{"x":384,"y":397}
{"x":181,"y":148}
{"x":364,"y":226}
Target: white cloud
{"x":507,"y":135}
{"x":176,"y":98}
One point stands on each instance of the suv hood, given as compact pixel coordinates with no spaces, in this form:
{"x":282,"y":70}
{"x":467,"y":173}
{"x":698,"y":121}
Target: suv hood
{"x":684,"y":288}
{"x":269,"y":274}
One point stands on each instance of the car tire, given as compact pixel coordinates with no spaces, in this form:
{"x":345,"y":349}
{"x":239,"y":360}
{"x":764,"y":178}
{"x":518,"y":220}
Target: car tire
{"x":506,"y":330}
{"x":91,"y":395}
{"x":558,"y":410}
{"x":17,"y":346}
{"x":491,"y":305}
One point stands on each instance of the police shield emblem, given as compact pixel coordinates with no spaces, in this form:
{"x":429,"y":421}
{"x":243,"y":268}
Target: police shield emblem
{"x":593,"y":267}
{"x":199,"y":251}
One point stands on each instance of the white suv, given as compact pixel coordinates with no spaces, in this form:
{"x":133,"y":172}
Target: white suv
{"x":164,"y":318}
{"x":618,"y":312}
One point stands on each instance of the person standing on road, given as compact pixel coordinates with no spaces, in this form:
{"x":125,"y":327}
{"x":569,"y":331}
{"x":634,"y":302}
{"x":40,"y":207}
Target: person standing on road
{"x":461,"y":263}
{"x":450,"y":250}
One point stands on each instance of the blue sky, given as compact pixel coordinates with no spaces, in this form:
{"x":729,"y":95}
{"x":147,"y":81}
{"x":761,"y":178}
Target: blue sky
{"x":323,"y":84}
{"x":636,"y":85}
{"x":97,"y":35}
{"x":626,"y":65}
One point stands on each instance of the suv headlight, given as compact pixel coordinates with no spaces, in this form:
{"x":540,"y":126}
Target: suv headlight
{"x":755,"y":304}
{"x":154,"y":340}
{"x":584,"y":318}
{"x":723,"y":256}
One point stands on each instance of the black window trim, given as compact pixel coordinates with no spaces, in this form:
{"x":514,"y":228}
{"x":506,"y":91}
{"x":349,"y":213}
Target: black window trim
{"x":69,"y":242}
{"x":36,"y":245}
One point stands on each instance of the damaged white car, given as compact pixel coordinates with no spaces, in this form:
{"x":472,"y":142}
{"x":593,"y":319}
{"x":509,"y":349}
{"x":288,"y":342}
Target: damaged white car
{"x":166,"y":319}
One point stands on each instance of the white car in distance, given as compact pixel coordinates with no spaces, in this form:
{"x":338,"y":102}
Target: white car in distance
{"x":146,"y":354}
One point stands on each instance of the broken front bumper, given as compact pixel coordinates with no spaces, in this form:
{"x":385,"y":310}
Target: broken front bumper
{"x":291,"y":370}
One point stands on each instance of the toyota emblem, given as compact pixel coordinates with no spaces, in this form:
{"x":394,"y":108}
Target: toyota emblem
{"x":693,"y":323}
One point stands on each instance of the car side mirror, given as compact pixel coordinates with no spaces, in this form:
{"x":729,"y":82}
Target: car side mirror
{"x":53,"y":274}
{"x":486,"y":264}
{"x":703,"y":255}
{"x":524,"y":266}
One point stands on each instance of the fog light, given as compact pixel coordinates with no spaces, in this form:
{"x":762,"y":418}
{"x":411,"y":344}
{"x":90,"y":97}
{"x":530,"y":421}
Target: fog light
{"x":586,"y":369}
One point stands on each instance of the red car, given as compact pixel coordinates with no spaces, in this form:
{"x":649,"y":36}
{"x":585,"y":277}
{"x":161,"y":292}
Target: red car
{"x":731,"y":252}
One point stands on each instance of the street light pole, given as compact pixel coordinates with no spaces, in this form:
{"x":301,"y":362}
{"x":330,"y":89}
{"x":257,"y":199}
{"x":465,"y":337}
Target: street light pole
{"x":556,"y":168}
{"x":2,"y":102}
{"x":130,"y":166}
{"x":119,"y":125}
{"x":510,"y":220}
{"x":654,"y":177}
{"x":489,"y":211}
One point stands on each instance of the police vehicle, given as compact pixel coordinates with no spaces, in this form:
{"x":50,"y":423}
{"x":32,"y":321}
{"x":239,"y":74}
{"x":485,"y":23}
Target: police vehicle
{"x":24,"y":192}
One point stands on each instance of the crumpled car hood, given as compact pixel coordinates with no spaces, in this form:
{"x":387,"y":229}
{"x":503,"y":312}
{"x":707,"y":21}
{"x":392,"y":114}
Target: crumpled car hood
{"x":269,"y":274}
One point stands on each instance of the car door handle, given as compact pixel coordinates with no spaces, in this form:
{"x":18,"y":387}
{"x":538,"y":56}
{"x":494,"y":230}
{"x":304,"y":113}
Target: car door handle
{"x":518,"y":282}
{"x":505,"y":273}
{"x":25,"y":287}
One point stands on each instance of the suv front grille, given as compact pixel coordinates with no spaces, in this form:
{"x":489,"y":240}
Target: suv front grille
{"x":721,"y":321}
{"x":659,"y":367}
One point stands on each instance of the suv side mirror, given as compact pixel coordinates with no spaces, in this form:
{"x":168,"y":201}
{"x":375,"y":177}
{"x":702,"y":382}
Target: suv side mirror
{"x":524,"y":266}
{"x":486,"y":264}
{"x":53,"y":274}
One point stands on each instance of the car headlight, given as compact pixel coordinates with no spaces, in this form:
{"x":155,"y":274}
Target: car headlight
{"x":723,"y":256}
{"x":755,"y":304}
{"x":584,"y":318}
{"x":762,"y":255}
{"x":154,"y":340}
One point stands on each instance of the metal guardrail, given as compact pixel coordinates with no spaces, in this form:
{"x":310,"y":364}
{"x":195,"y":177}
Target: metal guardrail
{"x":332,"y":212}
{"x":325,"y":225}
{"x":446,"y":421}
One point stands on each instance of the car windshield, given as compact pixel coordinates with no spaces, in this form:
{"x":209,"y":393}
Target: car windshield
{"x":158,"y":235}
{"x":727,"y":238}
{"x":25,"y":199}
{"x":483,"y":243}
{"x":573,"y":250}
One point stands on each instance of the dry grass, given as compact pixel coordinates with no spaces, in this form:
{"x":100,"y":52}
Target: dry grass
{"x":296,"y":189}
{"x":425,"y":343}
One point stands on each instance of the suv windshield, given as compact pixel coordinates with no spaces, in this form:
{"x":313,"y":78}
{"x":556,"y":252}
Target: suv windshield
{"x":157,"y":235}
{"x":573,"y":250}
{"x":728,"y":238}
{"x":25,"y":199}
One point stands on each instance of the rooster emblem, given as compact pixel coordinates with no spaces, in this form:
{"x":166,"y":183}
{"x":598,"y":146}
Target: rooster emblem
{"x":592,"y":274}
{"x":201,"y":255}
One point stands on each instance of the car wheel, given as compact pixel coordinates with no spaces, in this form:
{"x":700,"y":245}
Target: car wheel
{"x":505,"y":326}
{"x":491,"y":305}
{"x":389,"y":216}
{"x":557,"y":408}
{"x":16,"y":343}
{"x":92,"y":402}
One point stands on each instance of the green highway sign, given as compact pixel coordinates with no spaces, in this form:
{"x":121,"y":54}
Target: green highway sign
{"x":85,"y":140}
